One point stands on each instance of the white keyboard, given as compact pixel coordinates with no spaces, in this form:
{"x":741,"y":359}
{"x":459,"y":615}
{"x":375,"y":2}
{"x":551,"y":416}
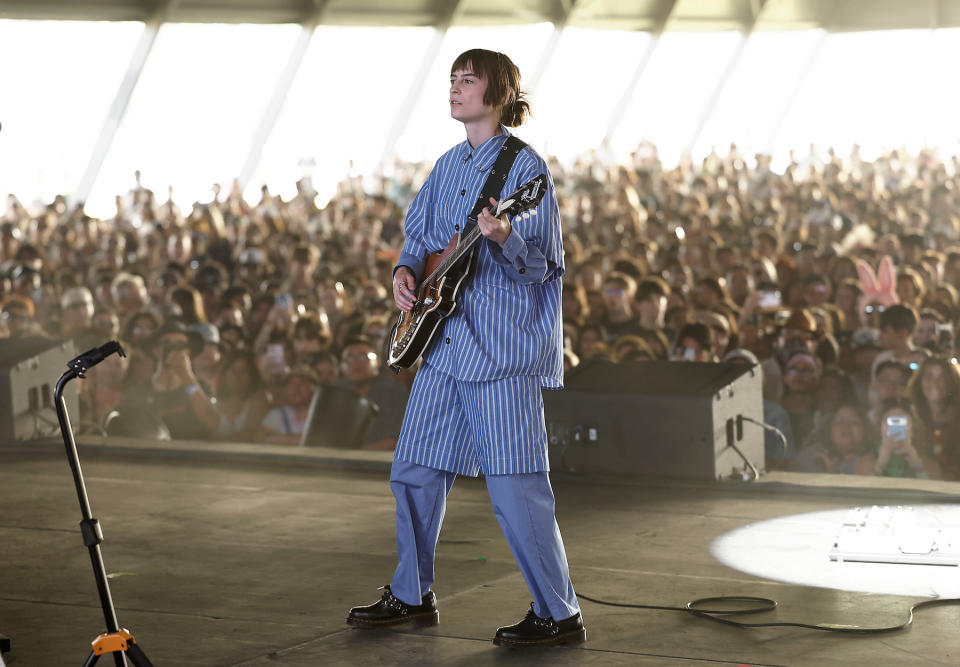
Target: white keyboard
{"x":917,"y":536}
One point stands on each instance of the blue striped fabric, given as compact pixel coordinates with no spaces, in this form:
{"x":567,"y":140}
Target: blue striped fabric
{"x":508,"y":319}
{"x":463,"y":427}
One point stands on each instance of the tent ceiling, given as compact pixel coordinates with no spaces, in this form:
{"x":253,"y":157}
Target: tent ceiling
{"x":837,"y":15}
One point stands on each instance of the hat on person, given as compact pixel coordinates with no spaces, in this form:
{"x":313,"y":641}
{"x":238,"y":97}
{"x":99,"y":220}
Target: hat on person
{"x":801,"y":357}
{"x":172,"y":326}
{"x":741,"y":354}
{"x":712,"y":319}
{"x":209,"y":332}
{"x":801,"y":320}
{"x":865,"y":338}
{"x":76,"y":296}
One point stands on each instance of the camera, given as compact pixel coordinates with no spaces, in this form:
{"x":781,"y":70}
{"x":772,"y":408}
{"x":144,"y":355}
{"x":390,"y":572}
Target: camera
{"x":897,"y":427}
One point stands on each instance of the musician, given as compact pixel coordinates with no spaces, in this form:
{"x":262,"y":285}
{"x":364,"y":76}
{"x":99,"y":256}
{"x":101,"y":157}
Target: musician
{"x":476,"y":403}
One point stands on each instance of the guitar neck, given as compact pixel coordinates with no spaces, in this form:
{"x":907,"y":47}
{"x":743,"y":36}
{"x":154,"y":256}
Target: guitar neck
{"x":525,"y":198}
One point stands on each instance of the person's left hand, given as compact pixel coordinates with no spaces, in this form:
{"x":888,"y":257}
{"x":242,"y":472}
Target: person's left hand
{"x":828,"y":462}
{"x":495,"y":229}
{"x":180,"y":366}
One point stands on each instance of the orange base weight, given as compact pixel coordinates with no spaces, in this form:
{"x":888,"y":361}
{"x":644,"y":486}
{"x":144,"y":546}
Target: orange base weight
{"x":111,"y":642}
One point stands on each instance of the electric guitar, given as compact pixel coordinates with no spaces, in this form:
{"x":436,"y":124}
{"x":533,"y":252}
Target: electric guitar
{"x":445,"y":271}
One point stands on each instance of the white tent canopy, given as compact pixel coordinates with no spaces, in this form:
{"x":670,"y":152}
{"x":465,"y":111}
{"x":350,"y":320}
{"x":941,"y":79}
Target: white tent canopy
{"x":641,"y":15}
{"x":200,"y":92}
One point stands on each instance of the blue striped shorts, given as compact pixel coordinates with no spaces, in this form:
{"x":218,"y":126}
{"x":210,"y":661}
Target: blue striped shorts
{"x":495,"y":426}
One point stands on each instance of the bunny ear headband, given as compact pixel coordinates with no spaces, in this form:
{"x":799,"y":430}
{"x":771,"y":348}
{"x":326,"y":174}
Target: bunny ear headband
{"x":878,"y":287}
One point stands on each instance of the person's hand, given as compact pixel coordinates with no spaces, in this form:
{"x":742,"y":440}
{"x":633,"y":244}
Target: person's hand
{"x":180,"y":367}
{"x":280,"y":317}
{"x":902,"y":446}
{"x":886,"y":451}
{"x":404,"y":288}
{"x":495,"y":229}
{"x":828,"y":462}
{"x":906,"y":449}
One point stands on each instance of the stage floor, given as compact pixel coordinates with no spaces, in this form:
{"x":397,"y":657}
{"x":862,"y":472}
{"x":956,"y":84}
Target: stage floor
{"x":243,"y":555}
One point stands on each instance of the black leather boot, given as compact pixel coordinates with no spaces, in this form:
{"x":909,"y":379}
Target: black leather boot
{"x":391,"y":611}
{"x":536,"y":631}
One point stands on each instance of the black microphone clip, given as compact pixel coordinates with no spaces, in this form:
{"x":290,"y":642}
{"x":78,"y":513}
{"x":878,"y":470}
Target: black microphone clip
{"x":94,"y":356}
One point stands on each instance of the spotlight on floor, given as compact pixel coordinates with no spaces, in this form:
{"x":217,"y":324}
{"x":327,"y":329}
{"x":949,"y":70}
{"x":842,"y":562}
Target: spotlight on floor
{"x":895,"y":550}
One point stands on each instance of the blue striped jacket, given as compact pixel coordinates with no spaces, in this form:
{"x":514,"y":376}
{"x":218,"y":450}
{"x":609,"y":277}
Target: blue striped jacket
{"x":508,"y":318}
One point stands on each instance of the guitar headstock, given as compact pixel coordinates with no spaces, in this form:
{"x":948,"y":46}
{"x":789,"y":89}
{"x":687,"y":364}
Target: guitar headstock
{"x":526,"y":197}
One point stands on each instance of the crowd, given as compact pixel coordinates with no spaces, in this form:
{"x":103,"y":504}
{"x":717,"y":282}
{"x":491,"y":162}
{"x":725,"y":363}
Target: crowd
{"x":839,"y":278}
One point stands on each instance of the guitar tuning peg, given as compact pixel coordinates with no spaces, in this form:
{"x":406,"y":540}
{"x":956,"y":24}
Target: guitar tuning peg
{"x":533,"y":213}
{"x":525,"y":215}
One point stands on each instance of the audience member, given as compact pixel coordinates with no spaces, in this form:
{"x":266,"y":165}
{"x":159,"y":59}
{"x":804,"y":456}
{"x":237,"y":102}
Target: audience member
{"x":934,"y":391}
{"x":361,"y":371}
{"x":284,"y":424}
{"x":843,"y":444}
{"x":208,"y":363}
{"x":897,"y":454}
{"x":174,"y":393}
{"x":242,"y":398}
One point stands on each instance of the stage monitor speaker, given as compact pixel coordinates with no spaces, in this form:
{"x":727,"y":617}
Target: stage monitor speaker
{"x":657,"y":419}
{"x":29,"y":371}
{"x":338,"y":417}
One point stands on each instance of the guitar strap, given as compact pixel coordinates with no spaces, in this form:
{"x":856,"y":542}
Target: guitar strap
{"x":497,"y":177}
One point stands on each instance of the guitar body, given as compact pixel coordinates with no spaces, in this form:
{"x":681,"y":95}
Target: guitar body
{"x":445,"y":271}
{"x":435,"y":301}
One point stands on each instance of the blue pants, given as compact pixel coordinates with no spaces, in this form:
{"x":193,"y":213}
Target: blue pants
{"x":496,"y":426}
{"x":524,"y":506}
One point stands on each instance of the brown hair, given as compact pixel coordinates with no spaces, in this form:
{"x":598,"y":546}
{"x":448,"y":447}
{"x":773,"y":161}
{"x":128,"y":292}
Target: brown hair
{"x":951,"y":378}
{"x":503,"y":83}
{"x":190,"y":303}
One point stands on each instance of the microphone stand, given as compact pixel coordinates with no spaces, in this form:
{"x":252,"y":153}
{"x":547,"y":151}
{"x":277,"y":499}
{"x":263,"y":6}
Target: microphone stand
{"x":116,"y":640}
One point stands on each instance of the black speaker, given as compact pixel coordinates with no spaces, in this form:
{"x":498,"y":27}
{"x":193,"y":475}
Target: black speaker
{"x":29,"y":370}
{"x":338,"y":417}
{"x":656,"y":418}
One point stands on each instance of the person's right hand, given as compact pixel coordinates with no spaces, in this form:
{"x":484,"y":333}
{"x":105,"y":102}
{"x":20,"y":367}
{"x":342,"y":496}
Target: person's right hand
{"x":825,"y":461}
{"x":280,"y":317}
{"x":404,"y":288}
{"x":178,"y":361}
{"x":906,"y":449}
{"x":887,"y":447}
